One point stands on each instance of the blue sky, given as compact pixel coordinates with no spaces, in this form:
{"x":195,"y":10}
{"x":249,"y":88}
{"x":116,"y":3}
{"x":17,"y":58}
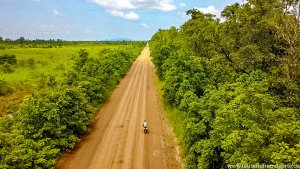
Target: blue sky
{"x":97,"y":19}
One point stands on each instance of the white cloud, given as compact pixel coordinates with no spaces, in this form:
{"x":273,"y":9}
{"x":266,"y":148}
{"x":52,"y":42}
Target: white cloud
{"x":115,"y":4}
{"x":210,"y":9}
{"x":164,"y":5}
{"x":130,"y":16}
{"x":117,"y":7}
{"x":56,"y":12}
{"x":182,"y":4}
{"x":145,"y":25}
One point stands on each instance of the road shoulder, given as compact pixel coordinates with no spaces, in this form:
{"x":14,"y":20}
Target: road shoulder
{"x":170,"y":143}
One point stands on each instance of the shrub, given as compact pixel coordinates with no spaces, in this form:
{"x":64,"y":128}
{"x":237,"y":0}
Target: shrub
{"x":7,"y":68}
{"x":11,"y":59}
{"x":4,"y":88}
{"x":31,"y":63}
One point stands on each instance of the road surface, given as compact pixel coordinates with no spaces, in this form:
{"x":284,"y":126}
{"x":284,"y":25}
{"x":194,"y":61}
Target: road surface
{"x":116,"y":140}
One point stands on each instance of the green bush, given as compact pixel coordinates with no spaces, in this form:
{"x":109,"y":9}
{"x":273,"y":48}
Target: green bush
{"x":10,"y":59}
{"x":7,"y":68}
{"x":30,"y":63}
{"x":5,"y":88}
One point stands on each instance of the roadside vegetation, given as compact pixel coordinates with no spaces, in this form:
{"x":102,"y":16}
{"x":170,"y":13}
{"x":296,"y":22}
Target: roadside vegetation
{"x":27,"y":66}
{"x":232,"y":88}
{"x":52,"y":118}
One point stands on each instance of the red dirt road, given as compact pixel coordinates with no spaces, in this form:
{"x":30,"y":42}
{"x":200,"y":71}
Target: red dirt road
{"x":117,"y":140}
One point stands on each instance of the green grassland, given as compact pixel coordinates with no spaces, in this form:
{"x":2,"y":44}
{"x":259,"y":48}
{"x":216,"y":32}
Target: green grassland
{"x":47,"y":61}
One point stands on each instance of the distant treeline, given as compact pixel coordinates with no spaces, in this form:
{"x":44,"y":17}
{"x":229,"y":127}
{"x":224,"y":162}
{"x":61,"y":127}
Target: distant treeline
{"x":234,"y":85}
{"x":23,"y":40}
{"x":54,"y":43}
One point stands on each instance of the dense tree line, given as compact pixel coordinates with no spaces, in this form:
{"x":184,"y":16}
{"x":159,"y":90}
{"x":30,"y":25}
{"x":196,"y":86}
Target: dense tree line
{"x":51,"y":121}
{"x":235,"y":84}
{"x":52,"y":43}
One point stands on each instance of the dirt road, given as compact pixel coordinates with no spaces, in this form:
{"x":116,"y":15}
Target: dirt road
{"x":116,"y":140}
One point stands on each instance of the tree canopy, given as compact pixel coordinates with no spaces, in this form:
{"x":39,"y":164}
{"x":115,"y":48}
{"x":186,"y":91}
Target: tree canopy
{"x":234,"y":83}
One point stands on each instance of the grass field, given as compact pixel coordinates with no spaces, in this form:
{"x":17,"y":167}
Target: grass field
{"x":37,"y":63}
{"x":46,"y":61}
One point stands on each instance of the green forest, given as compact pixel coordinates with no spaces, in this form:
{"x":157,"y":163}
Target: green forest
{"x":232,"y":85}
{"x":52,"y":118}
